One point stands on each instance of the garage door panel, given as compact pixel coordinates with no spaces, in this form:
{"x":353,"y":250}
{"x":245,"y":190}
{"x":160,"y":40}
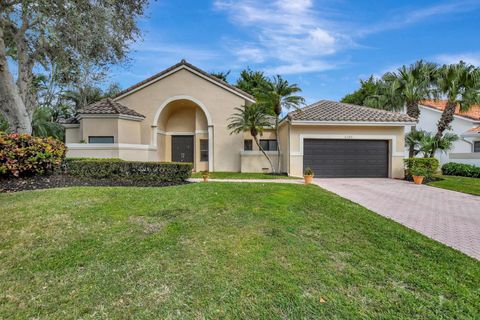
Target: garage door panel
{"x":346,"y":158}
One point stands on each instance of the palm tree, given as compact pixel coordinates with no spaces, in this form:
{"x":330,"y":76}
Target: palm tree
{"x":413,"y":140}
{"x":460,"y":84}
{"x":429,"y":145}
{"x":44,"y":126}
{"x":408,"y":86}
{"x":254,"y":119}
{"x":279,"y":95}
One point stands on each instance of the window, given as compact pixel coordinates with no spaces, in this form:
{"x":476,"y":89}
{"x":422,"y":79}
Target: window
{"x":247,"y":145}
{"x":476,"y":146}
{"x":203,"y":150}
{"x":269,"y":145}
{"x":100,"y":139}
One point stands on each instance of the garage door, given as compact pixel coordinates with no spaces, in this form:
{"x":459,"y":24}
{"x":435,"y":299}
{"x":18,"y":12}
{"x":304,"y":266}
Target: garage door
{"x":346,"y":158}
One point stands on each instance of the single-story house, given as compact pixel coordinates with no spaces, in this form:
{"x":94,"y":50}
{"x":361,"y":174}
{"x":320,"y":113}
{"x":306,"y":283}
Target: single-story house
{"x":465,"y":124}
{"x":182,"y":113}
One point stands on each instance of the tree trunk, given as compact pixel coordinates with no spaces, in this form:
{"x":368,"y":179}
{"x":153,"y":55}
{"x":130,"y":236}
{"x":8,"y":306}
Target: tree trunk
{"x":413,"y":110}
{"x":264,"y":153}
{"x":445,"y":120}
{"x":278,"y":145}
{"x":12,"y":106}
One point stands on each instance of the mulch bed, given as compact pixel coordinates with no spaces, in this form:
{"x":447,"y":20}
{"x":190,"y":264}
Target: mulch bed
{"x":63,"y":180}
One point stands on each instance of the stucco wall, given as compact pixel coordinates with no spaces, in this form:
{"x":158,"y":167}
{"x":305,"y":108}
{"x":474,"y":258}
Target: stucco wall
{"x":428,"y":121}
{"x":219,"y":103}
{"x":72,"y":135}
{"x":394,"y":134}
{"x":255,"y":161}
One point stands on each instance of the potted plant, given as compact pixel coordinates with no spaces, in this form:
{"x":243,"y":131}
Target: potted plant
{"x":205,"y":175}
{"x":308,"y":175}
{"x":418,"y":174}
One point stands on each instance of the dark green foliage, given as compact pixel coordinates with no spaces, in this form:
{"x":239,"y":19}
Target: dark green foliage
{"x":461,"y":169}
{"x":24,"y":155}
{"x":128,"y":170}
{"x":427,"y":166}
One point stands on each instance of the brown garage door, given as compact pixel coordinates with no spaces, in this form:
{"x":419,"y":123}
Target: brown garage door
{"x":346,"y":158}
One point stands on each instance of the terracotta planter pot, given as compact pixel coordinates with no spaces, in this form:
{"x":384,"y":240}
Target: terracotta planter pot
{"x":418,"y":179}
{"x":205,"y":179}
{"x":308,"y":179}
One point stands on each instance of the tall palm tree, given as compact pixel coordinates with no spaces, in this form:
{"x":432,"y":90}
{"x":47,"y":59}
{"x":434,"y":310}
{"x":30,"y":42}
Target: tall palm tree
{"x":278,"y":95}
{"x":410,"y":85}
{"x":253,"y":119}
{"x":460,"y":84}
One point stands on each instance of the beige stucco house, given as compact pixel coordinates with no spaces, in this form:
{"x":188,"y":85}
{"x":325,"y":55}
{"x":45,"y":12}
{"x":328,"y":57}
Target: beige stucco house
{"x":181,"y":114}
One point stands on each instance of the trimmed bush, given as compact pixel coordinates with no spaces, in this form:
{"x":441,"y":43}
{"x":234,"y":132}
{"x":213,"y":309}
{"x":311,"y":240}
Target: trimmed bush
{"x":427,"y":166}
{"x":115,"y":169}
{"x":24,"y":155}
{"x":461,"y":169}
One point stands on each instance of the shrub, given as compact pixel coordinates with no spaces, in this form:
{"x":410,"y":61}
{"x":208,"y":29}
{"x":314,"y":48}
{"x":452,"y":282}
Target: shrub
{"x":308,"y":172}
{"x":426,"y":166}
{"x":23,"y":155}
{"x":128,"y":170}
{"x":461,"y":169}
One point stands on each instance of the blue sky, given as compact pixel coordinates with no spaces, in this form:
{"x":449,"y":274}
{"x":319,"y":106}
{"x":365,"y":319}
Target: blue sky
{"x":323,"y":46}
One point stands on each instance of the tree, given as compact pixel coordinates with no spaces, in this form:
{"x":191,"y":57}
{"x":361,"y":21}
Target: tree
{"x":71,"y":33}
{"x":368,"y":89}
{"x":221,"y":75}
{"x":408,"y":86}
{"x":253,"y":119}
{"x":413,"y":140}
{"x":251,"y":81}
{"x":44,"y":125}
{"x":460,"y":84}
{"x":279,"y":95}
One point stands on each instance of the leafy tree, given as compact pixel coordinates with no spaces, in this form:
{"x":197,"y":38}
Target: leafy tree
{"x":221,"y":75}
{"x":253,"y":119}
{"x":278,"y":95}
{"x":460,"y":84}
{"x":368,"y":88}
{"x":71,"y":33}
{"x":251,"y":81}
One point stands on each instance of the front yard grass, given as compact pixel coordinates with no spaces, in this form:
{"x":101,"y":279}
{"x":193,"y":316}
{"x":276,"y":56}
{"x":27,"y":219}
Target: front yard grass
{"x":251,"y":251}
{"x":242,"y":175}
{"x":460,"y":184}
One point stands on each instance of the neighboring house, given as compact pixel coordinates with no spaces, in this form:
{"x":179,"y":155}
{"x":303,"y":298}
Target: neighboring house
{"x":182,"y":113}
{"x":465,"y":124}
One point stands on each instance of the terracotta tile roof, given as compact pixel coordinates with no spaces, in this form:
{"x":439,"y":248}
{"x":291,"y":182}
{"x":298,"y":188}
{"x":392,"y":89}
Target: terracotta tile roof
{"x":191,"y":66}
{"x":71,"y":120}
{"x":325,"y":110}
{"x":473,"y":113}
{"x":108,"y":106}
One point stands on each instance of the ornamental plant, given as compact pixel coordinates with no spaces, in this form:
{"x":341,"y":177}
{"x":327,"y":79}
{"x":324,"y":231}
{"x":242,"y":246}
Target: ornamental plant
{"x":25,"y":155}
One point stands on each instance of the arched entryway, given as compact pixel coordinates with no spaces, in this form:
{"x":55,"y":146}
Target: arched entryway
{"x":183,"y":132}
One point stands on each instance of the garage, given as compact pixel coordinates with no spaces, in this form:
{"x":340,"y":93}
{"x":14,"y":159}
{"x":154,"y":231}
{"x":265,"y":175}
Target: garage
{"x":335,"y":158}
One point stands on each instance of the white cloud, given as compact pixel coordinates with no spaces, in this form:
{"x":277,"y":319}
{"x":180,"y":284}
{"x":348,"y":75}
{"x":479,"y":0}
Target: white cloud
{"x":472,"y":58}
{"x":290,"y":35}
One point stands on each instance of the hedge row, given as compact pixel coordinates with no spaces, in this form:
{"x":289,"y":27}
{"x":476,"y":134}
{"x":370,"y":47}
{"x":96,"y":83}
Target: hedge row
{"x":25,"y":155}
{"x":428,"y":166}
{"x":461,"y":169}
{"x":128,"y":170}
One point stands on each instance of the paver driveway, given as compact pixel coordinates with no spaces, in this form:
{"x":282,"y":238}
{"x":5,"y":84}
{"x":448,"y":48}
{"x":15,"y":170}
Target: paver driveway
{"x":450,"y":217}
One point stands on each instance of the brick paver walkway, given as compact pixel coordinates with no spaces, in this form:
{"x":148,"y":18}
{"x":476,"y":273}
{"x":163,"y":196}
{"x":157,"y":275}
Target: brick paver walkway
{"x":450,"y":217}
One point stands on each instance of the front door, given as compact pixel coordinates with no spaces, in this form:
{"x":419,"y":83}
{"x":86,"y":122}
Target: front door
{"x":182,"y":149}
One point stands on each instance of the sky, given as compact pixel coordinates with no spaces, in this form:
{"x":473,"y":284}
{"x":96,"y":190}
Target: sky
{"x":324,"y":46}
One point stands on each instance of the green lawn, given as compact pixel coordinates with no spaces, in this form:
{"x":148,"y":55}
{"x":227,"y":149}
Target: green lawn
{"x":214,"y":251}
{"x":460,"y":184}
{"x":240,"y":175}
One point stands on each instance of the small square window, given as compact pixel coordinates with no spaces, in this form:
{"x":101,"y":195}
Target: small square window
{"x":204,"y":150}
{"x":100,"y":139}
{"x":269,"y":145}
{"x":476,"y":146}
{"x":247,"y":145}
